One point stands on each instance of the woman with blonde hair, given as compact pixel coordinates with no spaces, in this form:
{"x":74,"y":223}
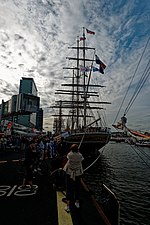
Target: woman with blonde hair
{"x":74,"y":170}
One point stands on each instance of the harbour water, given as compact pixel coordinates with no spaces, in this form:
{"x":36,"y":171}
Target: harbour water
{"x":125,"y":169}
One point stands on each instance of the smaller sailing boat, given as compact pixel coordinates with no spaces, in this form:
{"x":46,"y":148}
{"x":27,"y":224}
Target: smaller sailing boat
{"x":138,"y":138}
{"x":143,"y":144}
{"x":79,"y":109}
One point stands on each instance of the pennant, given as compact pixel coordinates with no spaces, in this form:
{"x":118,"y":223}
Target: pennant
{"x":82,"y":38}
{"x":90,"y":32}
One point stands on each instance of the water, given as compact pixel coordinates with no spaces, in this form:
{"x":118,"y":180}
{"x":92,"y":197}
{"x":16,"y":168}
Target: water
{"x":126,"y":171}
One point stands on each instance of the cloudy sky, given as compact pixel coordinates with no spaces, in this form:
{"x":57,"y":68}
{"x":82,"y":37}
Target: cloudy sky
{"x":34,"y":40}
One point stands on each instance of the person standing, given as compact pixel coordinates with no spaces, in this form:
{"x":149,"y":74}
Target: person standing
{"x":29,"y":163}
{"x":62,"y":148}
{"x":74,"y":170}
{"x":42,"y":149}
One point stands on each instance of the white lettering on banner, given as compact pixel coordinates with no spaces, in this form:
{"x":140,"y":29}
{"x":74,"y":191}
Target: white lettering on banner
{"x":6,"y":190}
{"x":11,"y":191}
{"x":26,"y":192}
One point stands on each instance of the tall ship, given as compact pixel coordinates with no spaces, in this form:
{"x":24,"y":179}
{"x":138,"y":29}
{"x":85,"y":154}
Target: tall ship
{"x":79,"y":119}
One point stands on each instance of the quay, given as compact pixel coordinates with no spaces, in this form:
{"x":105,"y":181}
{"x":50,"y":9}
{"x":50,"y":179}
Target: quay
{"x":45,"y":205}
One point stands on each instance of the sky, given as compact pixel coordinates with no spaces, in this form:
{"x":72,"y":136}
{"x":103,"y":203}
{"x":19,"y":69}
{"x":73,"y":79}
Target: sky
{"x":34,"y":40}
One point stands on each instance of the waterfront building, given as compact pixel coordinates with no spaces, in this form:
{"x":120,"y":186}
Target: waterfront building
{"x":24,"y":108}
{"x":39,"y":119}
{"x":13,"y":103}
{"x":28,"y":86}
{"x":27,"y":101}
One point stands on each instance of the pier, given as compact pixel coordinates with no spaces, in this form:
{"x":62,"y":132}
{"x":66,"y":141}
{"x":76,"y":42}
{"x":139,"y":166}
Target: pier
{"x":45,"y":205}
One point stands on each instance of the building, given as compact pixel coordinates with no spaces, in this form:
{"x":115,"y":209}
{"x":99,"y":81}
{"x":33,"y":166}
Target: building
{"x":28,"y":86}
{"x":39,"y":119}
{"x":24,"y":108}
{"x":13,"y":103}
{"x":27,"y":101}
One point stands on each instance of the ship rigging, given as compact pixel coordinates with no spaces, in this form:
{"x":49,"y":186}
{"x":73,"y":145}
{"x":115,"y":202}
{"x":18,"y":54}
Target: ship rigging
{"x":80,"y":107}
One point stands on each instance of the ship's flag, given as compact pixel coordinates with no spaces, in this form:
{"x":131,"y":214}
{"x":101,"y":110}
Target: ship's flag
{"x":84,"y":69}
{"x":82,"y":38}
{"x":98,"y":61}
{"x":102,"y":66}
{"x":95,"y":69}
{"x":90,"y":32}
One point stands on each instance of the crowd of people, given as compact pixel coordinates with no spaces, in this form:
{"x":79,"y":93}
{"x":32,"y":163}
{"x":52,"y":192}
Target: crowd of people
{"x":37,"y":151}
{"x":72,"y":167}
{"x":15,"y":143}
{"x":40,"y":148}
{"x":43,"y":143}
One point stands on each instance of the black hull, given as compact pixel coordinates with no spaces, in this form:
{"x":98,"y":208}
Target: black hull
{"x":89,"y":143}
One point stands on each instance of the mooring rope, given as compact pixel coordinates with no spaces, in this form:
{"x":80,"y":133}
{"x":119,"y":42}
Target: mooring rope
{"x":100,"y":153}
{"x":88,"y":167}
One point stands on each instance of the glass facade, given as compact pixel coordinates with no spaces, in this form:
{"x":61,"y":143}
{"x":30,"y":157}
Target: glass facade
{"x":27,"y":86}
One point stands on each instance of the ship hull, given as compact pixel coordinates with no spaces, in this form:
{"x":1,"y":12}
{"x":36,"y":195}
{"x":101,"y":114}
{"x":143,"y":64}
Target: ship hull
{"x":89,"y":143}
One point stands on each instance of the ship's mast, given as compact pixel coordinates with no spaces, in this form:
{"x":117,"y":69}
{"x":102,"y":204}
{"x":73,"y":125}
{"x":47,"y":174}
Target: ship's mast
{"x":60,"y":117}
{"x":84,"y":121}
{"x":78,"y":106}
{"x":77,"y":77}
{"x":73,"y":110}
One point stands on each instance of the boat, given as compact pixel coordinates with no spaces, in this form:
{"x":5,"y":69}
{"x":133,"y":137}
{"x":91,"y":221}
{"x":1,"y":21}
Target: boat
{"x":118,"y":139}
{"x":143,"y":144}
{"x":137,"y":138}
{"x":79,"y":120}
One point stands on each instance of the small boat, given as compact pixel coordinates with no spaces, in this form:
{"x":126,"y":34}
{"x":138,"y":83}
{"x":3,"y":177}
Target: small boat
{"x":139,"y":138}
{"x":143,"y":144}
{"x":118,"y":139}
{"x":84,"y":125}
{"x":138,"y":134}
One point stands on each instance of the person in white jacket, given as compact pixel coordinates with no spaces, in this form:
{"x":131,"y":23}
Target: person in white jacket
{"x":74,"y":170}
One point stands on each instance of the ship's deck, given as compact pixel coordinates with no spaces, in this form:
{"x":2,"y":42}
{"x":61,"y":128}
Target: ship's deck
{"x":45,"y":206}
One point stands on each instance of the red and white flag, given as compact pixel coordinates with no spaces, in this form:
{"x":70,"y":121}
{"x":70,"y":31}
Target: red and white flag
{"x":90,"y":32}
{"x":82,"y":38}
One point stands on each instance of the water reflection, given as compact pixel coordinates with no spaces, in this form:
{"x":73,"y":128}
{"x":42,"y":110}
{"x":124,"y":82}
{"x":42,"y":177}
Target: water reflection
{"x":127,"y":173}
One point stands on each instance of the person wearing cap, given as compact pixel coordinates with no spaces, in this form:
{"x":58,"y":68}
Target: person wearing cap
{"x":74,"y":170}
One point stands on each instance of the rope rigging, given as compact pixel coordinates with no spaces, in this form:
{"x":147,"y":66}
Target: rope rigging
{"x":143,"y":153}
{"x":142,"y":81}
{"x":139,"y":85}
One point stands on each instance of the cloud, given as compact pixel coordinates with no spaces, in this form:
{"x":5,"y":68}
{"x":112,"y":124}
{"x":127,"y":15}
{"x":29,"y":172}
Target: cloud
{"x":35,"y":36}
